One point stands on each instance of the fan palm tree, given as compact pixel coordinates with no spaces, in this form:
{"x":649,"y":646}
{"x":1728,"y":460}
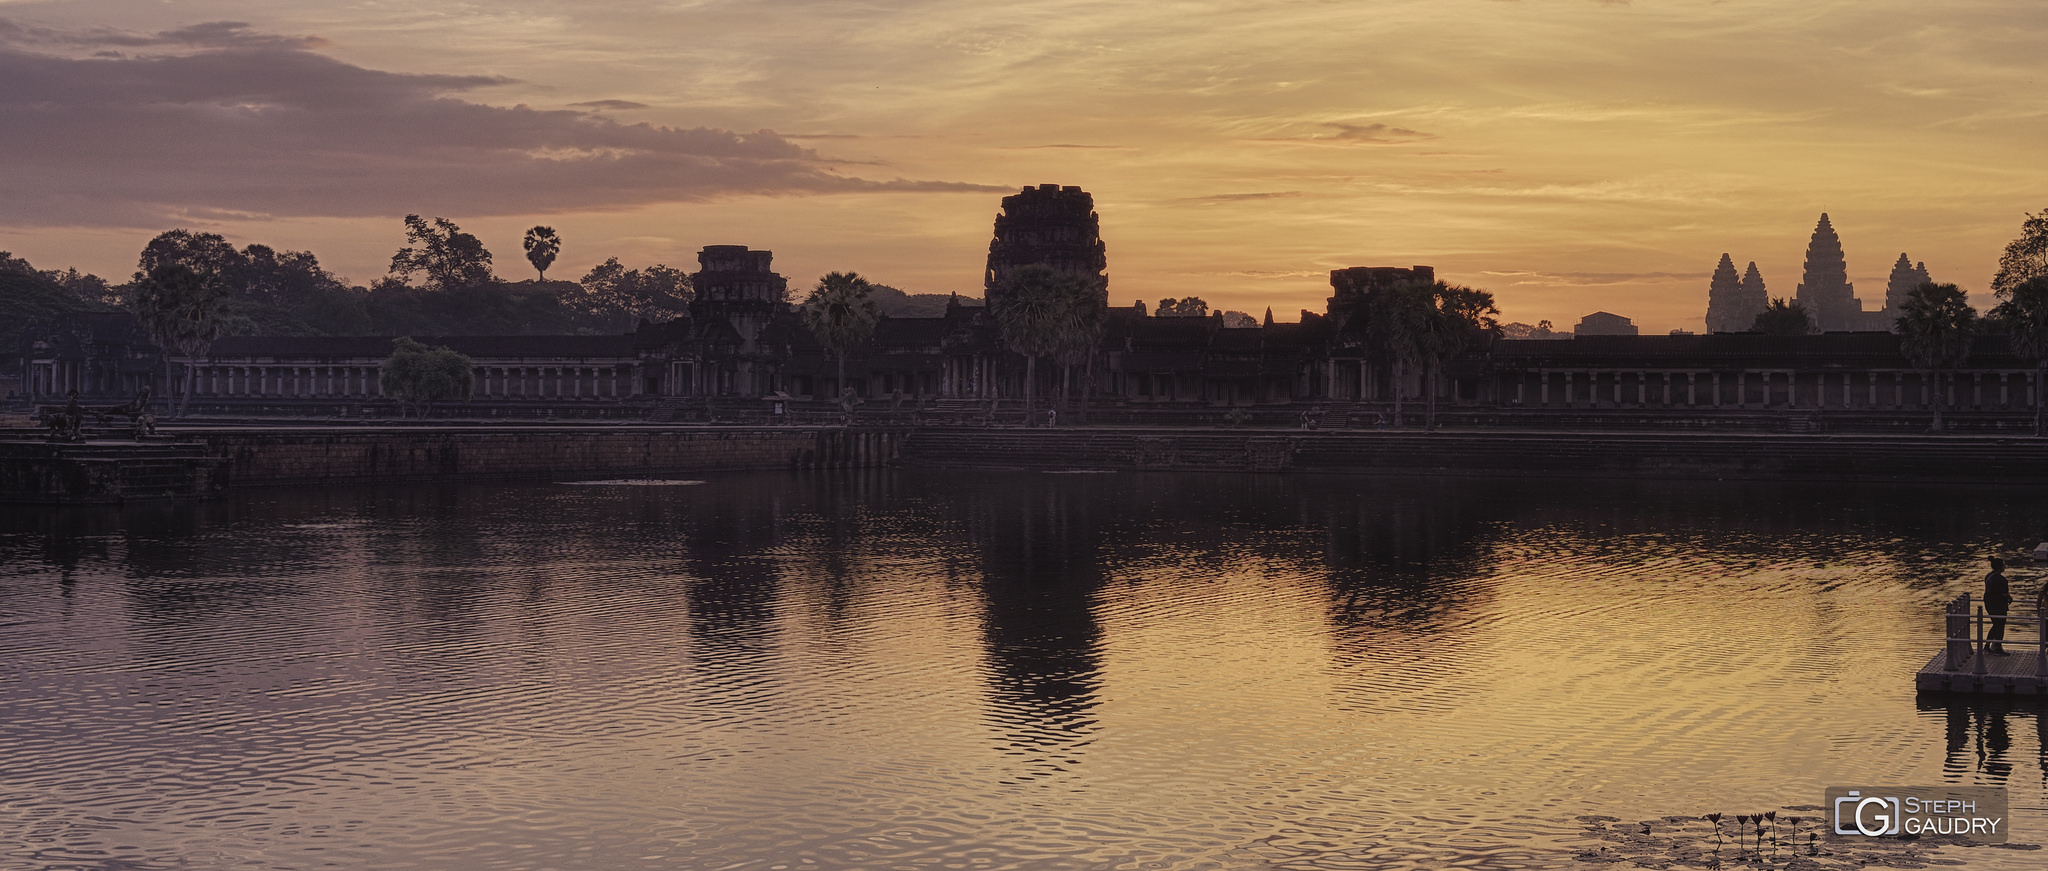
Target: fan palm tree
{"x":1036,"y":313}
{"x":1936,"y":324}
{"x":1400,"y":323}
{"x":2023,"y":312}
{"x":181,"y":309}
{"x":840,"y":314}
{"x":541,"y":247}
{"x":1089,"y":315}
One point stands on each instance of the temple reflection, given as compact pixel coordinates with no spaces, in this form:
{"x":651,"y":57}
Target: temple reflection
{"x":1041,"y":570}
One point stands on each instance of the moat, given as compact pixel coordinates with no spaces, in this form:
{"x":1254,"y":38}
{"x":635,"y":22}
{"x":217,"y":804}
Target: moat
{"x":924,"y":668}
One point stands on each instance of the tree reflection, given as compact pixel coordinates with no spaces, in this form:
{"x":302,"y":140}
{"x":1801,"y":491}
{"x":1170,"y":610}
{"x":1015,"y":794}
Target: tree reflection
{"x":1041,"y":569}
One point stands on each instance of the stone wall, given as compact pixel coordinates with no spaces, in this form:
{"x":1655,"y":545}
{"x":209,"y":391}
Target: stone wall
{"x":1601,"y":455}
{"x":348,"y":456}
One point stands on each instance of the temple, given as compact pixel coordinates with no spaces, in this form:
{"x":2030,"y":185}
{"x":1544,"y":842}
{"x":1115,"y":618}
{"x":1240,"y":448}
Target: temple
{"x":742,"y":353}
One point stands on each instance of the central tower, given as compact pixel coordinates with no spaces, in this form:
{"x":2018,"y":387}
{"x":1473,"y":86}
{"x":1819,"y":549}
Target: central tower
{"x":1053,"y":225}
{"x":1824,"y":290}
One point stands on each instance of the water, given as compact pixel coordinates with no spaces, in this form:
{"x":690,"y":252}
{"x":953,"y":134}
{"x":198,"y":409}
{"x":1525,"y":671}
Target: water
{"x":978,"y":670}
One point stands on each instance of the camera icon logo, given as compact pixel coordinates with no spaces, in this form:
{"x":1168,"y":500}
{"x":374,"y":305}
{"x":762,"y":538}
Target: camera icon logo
{"x":1868,"y":815}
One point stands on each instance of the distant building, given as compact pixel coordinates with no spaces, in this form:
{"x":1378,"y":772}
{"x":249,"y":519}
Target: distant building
{"x":1604,"y":324}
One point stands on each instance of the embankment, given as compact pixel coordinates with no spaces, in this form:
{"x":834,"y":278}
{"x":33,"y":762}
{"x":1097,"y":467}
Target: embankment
{"x":198,"y":462}
{"x":1550,"y":454}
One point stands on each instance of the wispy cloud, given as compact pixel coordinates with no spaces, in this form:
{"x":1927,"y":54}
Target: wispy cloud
{"x":227,"y":121}
{"x":609,"y":104}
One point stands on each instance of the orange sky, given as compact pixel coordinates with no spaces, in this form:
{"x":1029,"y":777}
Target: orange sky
{"x":1568,"y":155}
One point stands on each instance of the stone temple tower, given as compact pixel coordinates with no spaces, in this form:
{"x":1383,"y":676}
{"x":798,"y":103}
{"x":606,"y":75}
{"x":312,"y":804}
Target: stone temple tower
{"x":736,"y":284}
{"x":1825,"y":291}
{"x":1905,"y":276}
{"x":1733,"y":303}
{"x":1053,"y":225}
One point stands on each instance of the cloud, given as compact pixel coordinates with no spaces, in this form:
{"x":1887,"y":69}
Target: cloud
{"x":1356,"y":134}
{"x":1233,"y":198}
{"x":1597,"y":279}
{"x":216,"y":120}
{"x":1375,"y":133}
{"x":610,"y":104}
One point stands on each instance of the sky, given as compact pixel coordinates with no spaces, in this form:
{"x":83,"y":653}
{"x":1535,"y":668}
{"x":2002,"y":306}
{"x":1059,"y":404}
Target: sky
{"x":1567,"y":155}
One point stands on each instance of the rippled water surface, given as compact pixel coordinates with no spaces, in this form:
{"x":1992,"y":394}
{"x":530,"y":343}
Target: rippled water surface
{"x":978,"y":670}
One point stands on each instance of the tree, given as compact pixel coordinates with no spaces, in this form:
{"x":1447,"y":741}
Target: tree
{"x":181,"y":309}
{"x":1185,"y":307}
{"x":449,"y":258}
{"x":2023,"y":313}
{"x":1088,"y":316}
{"x":1780,"y":318}
{"x":1397,"y":320}
{"x":840,"y":314}
{"x":2025,"y":257}
{"x":210,"y":255}
{"x":1035,"y":313}
{"x":422,"y":375}
{"x":1427,"y":324}
{"x":1935,"y":326}
{"x":659,"y":292}
{"x":541,"y":247}
{"x":1460,"y":316}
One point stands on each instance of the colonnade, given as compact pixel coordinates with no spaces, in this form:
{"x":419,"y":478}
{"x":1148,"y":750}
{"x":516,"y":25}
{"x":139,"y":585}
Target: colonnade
{"x":1763,"y":388}
{"x":361,"y":380}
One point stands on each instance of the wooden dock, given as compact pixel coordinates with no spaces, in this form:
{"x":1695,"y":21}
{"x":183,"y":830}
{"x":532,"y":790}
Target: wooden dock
{"x":1966,"y":664}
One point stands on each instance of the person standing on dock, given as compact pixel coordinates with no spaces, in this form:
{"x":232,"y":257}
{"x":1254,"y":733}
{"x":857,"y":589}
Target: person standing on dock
{"x":1997,"y":601}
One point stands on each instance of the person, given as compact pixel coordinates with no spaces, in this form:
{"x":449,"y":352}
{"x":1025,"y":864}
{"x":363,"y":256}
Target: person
{"x":1997,"y":601}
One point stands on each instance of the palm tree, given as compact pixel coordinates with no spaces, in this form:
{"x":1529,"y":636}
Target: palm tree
{"x":1089,"y":315}
{"x":1036,"y":313}
{"x":840,"y":314}
{"x":181,"y":309}
{"x":1399,"y":322}
{"x":541,"y":247}
{"x":1935,"y":327}
{"x":2023,"y":312}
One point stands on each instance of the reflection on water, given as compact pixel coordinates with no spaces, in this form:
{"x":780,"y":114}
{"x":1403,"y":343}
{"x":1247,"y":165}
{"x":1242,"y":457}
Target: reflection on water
{"x":989,"y":670}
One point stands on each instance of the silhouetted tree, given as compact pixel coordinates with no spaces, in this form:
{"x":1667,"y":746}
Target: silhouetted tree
{"x":1936,"y":325}
{"x":181,"y":309}
{"x":1459,"y":316}
{"x":541,"y":247}
{"x":422,"y":375}
{"x":2023,"y":313}
{"x":840,"y":314}
{"x":1398,"y":321}
{"x":449,"y":258}
{"x":1082,"y":333}
{"x":656,"y":293}
{"x":1185,"y":307}
{"x":209,"y":255}
{"x":2025,"y":257}
{"x":1781,"y":318}
{"x":1035,"y":312}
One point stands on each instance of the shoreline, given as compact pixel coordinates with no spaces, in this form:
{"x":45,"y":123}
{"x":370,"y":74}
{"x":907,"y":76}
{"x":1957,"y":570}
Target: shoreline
{"x":189,"y":462}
